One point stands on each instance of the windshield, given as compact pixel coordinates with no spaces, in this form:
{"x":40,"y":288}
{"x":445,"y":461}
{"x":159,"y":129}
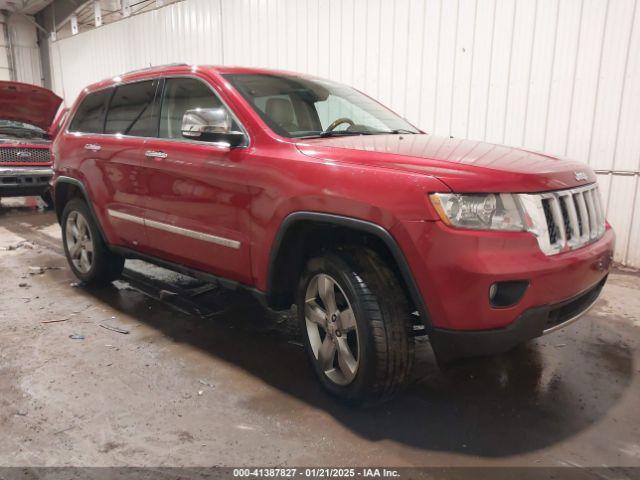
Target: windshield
{"x":9,"y":128}
{"x":301,"y":107}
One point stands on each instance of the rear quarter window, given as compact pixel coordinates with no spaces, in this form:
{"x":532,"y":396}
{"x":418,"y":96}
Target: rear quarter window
{"x":89,"y":117}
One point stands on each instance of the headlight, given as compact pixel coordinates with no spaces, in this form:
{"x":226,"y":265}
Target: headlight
{"x":488,"y":211}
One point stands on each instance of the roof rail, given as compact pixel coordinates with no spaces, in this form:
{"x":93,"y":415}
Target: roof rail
{"x":177,"y":64}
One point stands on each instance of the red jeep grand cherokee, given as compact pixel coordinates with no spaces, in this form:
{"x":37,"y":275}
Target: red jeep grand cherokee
{"x":26,"y":115}
{"x":308,"y":192}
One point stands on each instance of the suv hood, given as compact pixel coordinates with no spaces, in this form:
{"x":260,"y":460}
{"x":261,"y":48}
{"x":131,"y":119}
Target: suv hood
{"x":26,"y":103}
{"x":464,"y":165}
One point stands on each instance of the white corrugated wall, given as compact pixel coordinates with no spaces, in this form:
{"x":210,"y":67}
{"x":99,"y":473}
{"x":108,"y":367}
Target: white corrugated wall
{"x":24,"y":51}
{"x":5,"y":52}
{"x":561,"y":76}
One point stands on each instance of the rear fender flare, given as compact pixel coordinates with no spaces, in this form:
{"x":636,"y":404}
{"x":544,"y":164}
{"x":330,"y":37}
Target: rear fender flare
{"x":77,"y":183}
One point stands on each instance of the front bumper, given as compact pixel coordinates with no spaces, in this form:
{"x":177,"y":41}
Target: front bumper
{"x":451,"y":344}
{"x":23,"y":181}
{"x":454,"y":270}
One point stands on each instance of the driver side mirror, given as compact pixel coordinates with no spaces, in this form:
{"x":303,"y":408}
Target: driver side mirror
{"x":210,"y":125}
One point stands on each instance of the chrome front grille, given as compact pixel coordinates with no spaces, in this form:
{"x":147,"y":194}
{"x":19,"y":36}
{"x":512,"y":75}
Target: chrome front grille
{"x":24,"y":155}
{"x":565,"y":219}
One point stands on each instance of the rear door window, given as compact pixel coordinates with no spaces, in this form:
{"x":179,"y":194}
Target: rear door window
{"x":89,"y":117}
{"x":131,"y":110}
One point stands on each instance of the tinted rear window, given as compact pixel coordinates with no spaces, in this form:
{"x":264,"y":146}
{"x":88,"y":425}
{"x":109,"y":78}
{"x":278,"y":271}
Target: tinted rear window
{"x":89,"y":117}
{"x":131,"y":110}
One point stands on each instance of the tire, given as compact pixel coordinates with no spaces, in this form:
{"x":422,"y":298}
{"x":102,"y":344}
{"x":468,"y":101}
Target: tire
{"x":47,"y":199}
{"x":384,"y":346}
{"x":102,"y":265}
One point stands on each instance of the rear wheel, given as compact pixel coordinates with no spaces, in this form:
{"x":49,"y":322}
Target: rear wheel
{"x":88,"y":256}
{"x":355,"y":320}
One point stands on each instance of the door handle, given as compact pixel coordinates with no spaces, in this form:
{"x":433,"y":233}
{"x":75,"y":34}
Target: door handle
{"x":93,"y":147}
{"x":155,"y":154}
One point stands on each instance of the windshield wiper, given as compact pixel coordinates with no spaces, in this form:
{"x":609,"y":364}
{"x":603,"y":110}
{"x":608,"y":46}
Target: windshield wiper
{"x":348,"y":133}
{"x":399,"y":131}
{"x":345,"y":133}
{"x":341,"y":133}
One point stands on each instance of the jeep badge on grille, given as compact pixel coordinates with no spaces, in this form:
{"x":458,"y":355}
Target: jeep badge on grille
{"x":23,"y":154}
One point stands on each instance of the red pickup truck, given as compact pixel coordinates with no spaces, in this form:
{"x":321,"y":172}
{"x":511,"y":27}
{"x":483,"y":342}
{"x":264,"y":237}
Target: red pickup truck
{"x":26,"y":117}
{"x":308,"y":192}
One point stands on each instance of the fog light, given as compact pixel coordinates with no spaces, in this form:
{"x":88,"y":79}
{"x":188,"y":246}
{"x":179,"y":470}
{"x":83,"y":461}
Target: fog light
{"x":507,"y":294}
{"x":493,"y":289}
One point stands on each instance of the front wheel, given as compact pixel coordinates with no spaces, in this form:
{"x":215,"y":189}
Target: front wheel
{"x":355,"y":318}
{"x":89,"y":257}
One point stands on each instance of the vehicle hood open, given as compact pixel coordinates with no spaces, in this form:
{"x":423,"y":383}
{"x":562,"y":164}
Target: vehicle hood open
{"x":21,"y":102}
{"x":464,"y":165}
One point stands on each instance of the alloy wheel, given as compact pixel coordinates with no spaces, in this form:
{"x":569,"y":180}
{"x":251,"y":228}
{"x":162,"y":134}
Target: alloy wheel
{"x":79,"y":242}
{"x":332,"y":329}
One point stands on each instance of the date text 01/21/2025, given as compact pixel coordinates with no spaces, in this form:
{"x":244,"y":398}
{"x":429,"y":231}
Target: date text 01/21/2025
{"x":315,"y":473}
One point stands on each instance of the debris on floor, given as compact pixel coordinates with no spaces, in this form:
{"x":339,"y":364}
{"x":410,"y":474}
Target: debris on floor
{"x":57,"y":320}
{"x":40,"y":270}
{"x":22,"y":244}
{"x":114,"y":329}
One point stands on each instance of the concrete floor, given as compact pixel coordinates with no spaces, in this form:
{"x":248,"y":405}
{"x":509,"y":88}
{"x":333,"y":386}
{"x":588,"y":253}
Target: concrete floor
{"x":209,"y":378}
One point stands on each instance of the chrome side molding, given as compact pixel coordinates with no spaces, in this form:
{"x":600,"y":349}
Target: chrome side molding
{"x":126,"y":216}
{"x":206,"y":237}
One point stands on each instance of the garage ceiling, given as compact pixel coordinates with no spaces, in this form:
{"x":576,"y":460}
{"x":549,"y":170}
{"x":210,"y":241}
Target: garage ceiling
{"x":28,"y":7}
{"x":112,"y":11}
